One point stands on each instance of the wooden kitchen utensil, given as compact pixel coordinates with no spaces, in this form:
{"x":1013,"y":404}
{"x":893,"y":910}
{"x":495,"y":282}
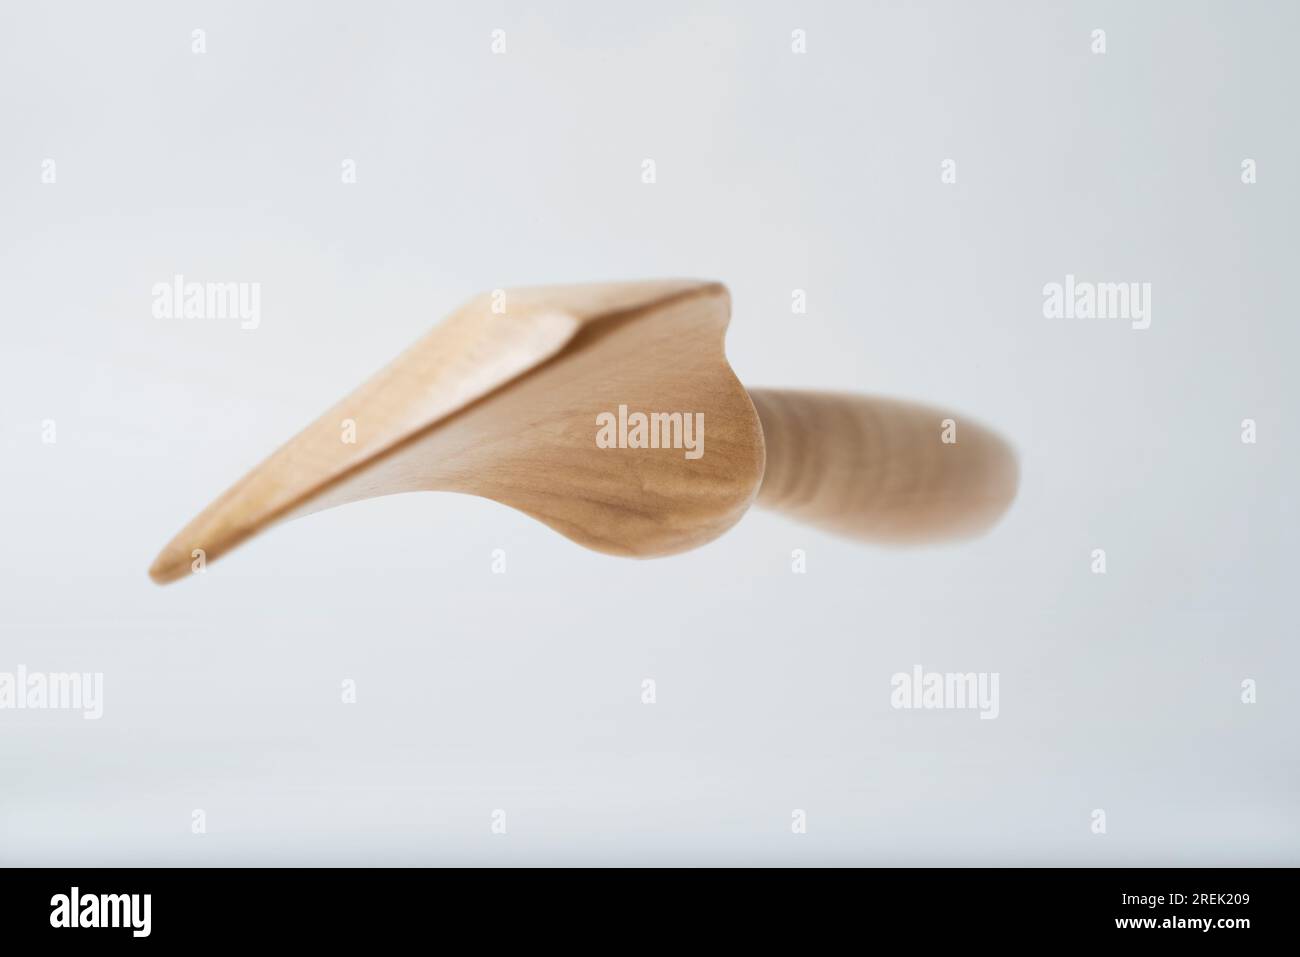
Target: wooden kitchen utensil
{"x":609,"y":412}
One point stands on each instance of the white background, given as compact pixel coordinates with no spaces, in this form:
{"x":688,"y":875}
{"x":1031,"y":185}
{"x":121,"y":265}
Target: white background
{"x":776,"y":171}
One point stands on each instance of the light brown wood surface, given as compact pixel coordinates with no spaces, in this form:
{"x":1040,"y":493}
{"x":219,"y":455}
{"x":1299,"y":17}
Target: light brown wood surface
{"x":504,"y":405}
{"x":501,"y":400}
{"x":878,"y":470}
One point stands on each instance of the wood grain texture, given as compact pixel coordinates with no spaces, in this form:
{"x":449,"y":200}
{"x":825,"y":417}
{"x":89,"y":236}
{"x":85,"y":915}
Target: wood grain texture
{"x":503,"y":400}
{"x":877,"y":469}
{"x":504,"y":405}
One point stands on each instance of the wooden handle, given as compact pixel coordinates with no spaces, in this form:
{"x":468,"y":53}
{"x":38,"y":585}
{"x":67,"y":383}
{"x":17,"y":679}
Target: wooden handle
{"x":880,"y":470}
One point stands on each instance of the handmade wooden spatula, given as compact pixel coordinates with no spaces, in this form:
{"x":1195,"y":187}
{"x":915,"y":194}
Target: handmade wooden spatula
{"x":609,"y":412}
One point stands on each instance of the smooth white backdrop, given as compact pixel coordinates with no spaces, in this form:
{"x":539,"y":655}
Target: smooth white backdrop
{"x":776,"y":171}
